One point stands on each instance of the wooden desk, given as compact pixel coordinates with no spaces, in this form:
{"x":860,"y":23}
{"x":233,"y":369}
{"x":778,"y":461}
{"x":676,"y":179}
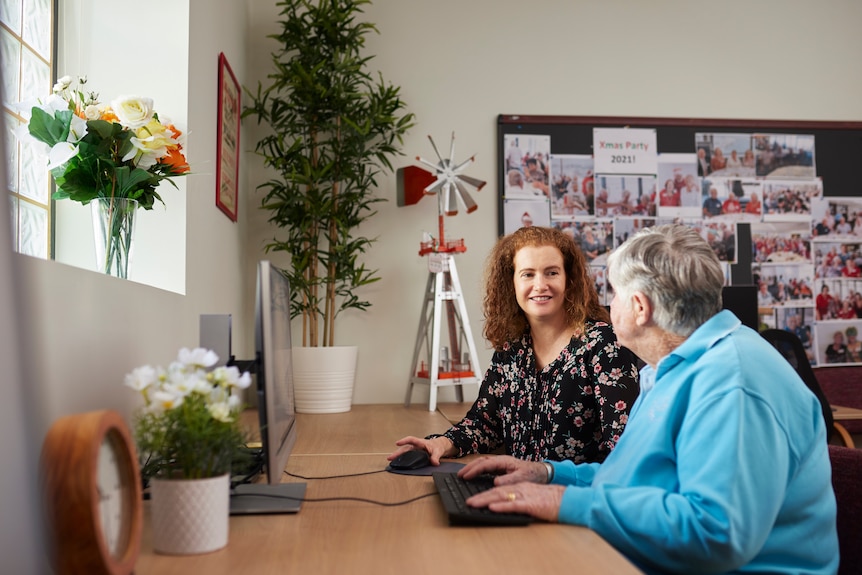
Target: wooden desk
{"x":337,"y":537}
{"x":364,"y":429}
{"x":454,"y":412}
{"x":841,"y":413}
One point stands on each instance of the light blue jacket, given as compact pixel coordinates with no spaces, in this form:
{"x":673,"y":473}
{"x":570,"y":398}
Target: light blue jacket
{"x":723,"y":466}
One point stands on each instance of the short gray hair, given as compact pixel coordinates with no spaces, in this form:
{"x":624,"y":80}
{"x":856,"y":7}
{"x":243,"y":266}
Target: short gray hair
{"x":676,"y":269}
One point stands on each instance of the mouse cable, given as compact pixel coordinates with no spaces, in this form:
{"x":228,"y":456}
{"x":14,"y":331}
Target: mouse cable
{"x":323,"y":499}
{"x":286,"y":472}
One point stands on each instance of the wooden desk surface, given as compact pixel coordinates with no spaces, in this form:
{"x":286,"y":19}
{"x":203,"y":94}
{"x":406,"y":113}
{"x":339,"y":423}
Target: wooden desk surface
{"x":337,"y":537}
{"x":364,"y":429}
{"x":345,"y":536}
{"x":454,"y":412}
{"x":839,"y":413}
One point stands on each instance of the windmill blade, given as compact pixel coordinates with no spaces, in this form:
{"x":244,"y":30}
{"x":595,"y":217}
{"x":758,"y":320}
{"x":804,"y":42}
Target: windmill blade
{"x":435,"y":187}
{"x":451,"y":200}
{"x":452,"y":150}
{"x":466,"y":198}
{"x":435,"y":167}
{"x":463,"y":164}
{"x":475,"y":182}
{"x":433,"y":145}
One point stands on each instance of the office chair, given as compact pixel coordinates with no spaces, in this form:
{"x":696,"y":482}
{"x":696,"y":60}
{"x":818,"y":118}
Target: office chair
{"x":846,"y":474}
{"x":790,"y":346}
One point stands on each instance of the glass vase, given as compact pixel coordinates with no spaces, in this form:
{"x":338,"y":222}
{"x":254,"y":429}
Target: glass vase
{"x":114,"y":227}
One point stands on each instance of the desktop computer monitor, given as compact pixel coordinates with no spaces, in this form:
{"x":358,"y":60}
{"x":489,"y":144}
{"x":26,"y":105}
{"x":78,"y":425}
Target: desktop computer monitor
{"x":275,"y":369}
{"x":274,"y":374}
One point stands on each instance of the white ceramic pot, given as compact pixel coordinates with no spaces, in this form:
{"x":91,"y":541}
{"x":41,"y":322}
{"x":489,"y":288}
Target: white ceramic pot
{"x":323,"y":378}
{"x":190,"y":516}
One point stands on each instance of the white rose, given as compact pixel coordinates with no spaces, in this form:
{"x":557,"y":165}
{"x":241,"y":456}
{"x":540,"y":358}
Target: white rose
{"x":92,"y":112}
{"x":133,"y":111}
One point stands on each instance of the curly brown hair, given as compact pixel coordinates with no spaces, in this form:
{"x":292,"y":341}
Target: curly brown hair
{"x":505,"y":321}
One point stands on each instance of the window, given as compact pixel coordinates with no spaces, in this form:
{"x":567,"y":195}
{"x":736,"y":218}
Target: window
{"x":27,"y":58}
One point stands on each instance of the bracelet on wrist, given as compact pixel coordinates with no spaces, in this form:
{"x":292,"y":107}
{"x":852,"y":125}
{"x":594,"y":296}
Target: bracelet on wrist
{"x":550,"y":469}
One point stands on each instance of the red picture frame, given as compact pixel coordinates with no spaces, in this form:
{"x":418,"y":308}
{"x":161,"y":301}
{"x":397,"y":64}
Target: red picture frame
{"x":227,"y":158}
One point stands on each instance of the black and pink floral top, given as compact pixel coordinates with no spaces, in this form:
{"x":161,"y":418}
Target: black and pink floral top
{"x":575,"y":408}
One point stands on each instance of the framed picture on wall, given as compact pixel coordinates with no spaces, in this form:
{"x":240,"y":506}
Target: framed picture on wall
{"x":227,"y":172}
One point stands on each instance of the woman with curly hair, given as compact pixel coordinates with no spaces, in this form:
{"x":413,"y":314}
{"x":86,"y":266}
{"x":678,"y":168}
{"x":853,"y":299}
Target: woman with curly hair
{"x":559,"y":386}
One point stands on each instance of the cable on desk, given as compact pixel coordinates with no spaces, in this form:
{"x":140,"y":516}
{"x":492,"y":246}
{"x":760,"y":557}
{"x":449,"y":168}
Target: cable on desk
{"x":323,"y":499}
{"x":286,"y":472}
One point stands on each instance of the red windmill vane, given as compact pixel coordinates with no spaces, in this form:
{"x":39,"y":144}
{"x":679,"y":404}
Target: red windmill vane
{"x":440,"y":367}
{"x":449,"y":184}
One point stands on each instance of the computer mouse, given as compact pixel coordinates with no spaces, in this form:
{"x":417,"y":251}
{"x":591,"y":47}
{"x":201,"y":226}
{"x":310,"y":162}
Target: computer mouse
{"x":413,"y":459}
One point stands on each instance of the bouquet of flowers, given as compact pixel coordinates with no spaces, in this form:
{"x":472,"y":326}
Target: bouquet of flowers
{"x":189,"y":425}
{"x":121,"y":150}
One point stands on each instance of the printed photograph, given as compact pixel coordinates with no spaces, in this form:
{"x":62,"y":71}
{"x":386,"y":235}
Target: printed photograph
{"x":838,"y":342}
{"x":780,"y":242}
{"x":790,"y":200}
{"x":784,"y":155}
{"x":623,"y":195}
{"x":572,"y":186}
{"x":836,"y":218}
{"x":679,"y":193}
{"x":723,"y":155}
{"x":523,"y":213}
{"x":528,"y":156}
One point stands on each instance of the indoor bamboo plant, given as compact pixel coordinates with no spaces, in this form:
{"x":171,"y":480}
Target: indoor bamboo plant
{"x":332,"y":128}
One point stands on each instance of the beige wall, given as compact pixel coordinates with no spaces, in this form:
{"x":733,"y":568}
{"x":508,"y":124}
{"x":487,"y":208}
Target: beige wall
{"x":462,"y":63}
{"x":459,"y":65}
{"x":89,"y":330}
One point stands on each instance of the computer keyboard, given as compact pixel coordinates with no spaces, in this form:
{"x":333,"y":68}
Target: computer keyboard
{"x":454,"y":491}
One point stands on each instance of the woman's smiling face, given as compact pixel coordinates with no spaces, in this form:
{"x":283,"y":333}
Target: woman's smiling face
{"x":540,"y":281}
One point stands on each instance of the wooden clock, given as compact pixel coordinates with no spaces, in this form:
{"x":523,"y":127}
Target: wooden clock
{"x":92,"y":494}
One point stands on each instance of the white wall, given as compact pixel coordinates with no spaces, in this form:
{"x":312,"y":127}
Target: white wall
{"x":89,"y":330}
{"x":462,"y":63}
{"x":459,"y":65}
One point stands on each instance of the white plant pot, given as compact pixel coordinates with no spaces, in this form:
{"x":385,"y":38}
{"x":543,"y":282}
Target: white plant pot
{"x":323,"y":378}
{"x":190,"y":516}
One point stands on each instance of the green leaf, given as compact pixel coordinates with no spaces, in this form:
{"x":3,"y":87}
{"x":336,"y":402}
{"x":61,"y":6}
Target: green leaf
{"x":50,"y":129}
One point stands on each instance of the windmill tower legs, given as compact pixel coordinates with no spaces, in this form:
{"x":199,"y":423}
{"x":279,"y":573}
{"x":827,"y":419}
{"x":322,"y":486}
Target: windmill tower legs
{"x":434,"y":363}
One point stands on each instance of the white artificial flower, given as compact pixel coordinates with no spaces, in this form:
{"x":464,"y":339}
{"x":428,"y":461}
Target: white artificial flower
{"x":62,"y":84}
{"x":141,"y":378}
{"x":244,"y":381}
{"x":166,"y":398}
{"x":60,"y":154}
{"x":77,"y":130}
{"x":221,"y":411}
{"x":198,"y":357}
{"x":92,"y":112}
{"x":54,"y":103}
{"x":24,"y":136}
{"x":133,"y":111}
{"x":146,"y":157}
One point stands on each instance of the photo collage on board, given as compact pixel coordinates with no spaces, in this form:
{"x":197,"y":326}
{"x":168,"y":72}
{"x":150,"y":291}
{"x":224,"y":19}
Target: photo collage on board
{"x":806,"y":247}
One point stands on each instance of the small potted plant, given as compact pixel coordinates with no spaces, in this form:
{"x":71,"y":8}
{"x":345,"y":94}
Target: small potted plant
{"x":331,"y":128}
{"x":188,"y":434}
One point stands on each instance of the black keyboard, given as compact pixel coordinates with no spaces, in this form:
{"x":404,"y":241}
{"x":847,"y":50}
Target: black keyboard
{"x":454,"y":491}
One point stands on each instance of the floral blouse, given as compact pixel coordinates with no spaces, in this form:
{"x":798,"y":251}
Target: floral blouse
{"x":575,"y":408}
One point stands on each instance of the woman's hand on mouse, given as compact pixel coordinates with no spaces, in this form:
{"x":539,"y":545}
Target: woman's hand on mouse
{"x":437,"y":448}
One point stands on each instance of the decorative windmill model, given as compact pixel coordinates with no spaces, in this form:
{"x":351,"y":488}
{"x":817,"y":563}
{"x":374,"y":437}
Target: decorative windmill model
{"x":441,"y":366}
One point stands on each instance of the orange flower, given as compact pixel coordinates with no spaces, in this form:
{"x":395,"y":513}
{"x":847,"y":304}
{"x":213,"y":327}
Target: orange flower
{"x":176,"y":160}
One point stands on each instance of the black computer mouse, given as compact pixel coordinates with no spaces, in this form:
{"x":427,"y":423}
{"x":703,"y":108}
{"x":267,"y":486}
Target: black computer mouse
{"x":413,"y":459}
